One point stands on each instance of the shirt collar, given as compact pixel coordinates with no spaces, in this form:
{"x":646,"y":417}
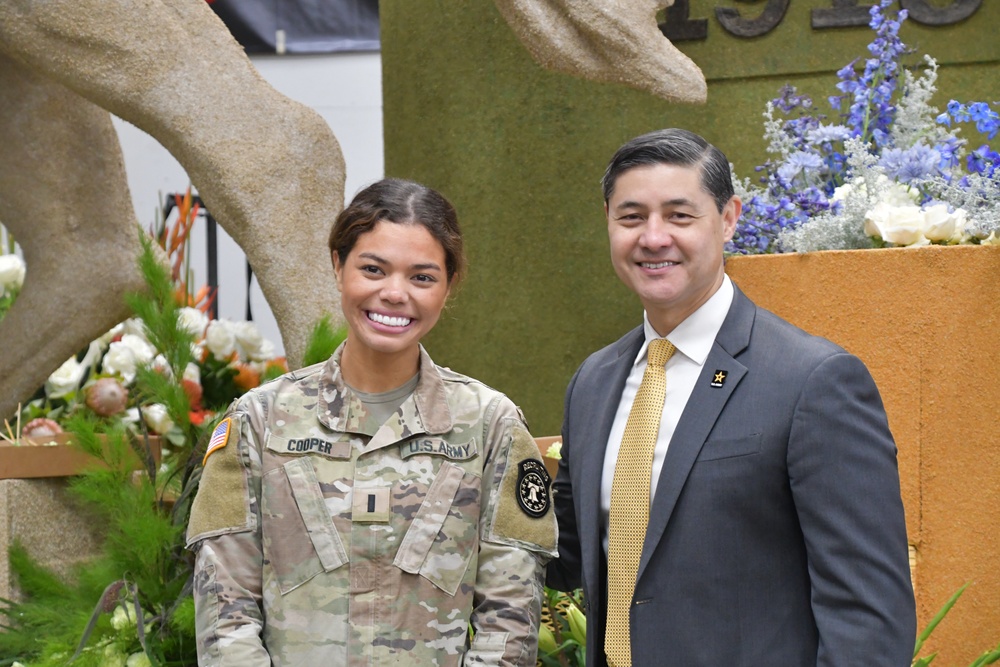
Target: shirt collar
{"x":695,"y":335}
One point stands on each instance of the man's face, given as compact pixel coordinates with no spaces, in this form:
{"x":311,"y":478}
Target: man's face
{"x":666,"y":239}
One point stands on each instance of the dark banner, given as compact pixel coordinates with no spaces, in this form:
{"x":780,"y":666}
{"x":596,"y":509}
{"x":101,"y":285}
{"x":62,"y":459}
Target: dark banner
{"x":301,"y":26}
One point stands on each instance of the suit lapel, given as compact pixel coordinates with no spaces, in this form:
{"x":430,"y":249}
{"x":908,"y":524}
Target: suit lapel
{"x":700,"y":414}
{"x":597,"y":428}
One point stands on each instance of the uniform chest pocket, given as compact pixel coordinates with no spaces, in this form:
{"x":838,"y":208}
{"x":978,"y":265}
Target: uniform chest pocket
{"x":299,"y":538}
{"x":444,"y":534}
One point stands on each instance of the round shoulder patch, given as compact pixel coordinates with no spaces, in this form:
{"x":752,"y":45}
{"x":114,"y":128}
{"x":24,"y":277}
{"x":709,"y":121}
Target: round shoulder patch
{"x":533,"y":488}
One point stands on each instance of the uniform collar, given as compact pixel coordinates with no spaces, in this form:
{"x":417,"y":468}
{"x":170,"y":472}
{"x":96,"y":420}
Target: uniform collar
{"x":425,"y":411}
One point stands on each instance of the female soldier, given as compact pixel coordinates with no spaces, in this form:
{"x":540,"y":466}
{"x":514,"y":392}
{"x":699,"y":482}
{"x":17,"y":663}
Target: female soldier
{"x":368,"y":509}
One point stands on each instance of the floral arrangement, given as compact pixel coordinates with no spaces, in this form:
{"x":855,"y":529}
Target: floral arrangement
{"x":228,"y":358}
{"x":887,"y":170}
{"x":141,"y":579}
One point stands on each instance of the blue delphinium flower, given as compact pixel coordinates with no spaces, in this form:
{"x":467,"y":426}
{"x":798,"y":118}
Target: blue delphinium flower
{"x":949,"y":150}
{"x":983,"y":160}
{"x":760,"y":224}
{"x":799,"y":162}
{"x":827,"y":134}
{"x":879,"y":144}
{"x":871,"y":110}
{"x":986,"y":119}
{"x":911,"y":164}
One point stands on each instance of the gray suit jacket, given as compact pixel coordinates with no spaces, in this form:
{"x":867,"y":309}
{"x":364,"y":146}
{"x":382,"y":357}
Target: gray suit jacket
{"x":776,"y":537}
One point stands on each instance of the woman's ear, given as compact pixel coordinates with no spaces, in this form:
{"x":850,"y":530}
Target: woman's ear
{"x":338,"y":271}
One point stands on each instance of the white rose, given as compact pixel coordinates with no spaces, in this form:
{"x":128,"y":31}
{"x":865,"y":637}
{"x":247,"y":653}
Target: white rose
{"x":961,"y":234}
{"x":895,"y":193}
{"x":94,"y":352}
{"x":193,"y":321}
{"x":156,"y":418}
{"x":161,"y":365}
{"x":899,"y":225}
{"x":131,"y":416}
{"x":135,"y":327}
{"x":192,"y":373}
{"x":112,"y":333}
{"x":143,"y":351}
{"x":11,"y":273}
{"x":120,"y":361}
{"x":125,"y":356}
{"x":65,"y":379}
{"x":249,"y":339}
{"x":220,"y":339}
{"x":264,"y":352}
{"x":939,"y":223}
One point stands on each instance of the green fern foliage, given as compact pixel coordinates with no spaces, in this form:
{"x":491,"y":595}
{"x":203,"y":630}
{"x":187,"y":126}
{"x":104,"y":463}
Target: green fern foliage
{"x":323,"y":341}
{"x":159,"y":311}
{"x":134,"y":598}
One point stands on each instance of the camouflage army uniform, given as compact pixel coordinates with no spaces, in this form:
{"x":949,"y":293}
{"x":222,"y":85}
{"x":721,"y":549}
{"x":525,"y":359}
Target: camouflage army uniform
{"x":324,"y":538}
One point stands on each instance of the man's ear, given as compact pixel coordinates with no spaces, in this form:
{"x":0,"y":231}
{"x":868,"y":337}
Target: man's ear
{"x":730,"y":215}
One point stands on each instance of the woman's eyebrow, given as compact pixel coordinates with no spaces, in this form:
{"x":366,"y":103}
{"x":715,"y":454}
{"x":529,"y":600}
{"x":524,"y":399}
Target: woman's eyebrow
{"x":375,"y":258}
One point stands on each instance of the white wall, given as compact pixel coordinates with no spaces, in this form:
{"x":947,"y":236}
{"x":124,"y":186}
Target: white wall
{"x":345,"y":89}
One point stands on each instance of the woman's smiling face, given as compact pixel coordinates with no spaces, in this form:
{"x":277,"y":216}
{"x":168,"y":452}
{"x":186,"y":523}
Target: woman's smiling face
{"x":393,"y":285}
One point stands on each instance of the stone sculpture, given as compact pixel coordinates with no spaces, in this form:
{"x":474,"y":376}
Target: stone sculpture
{"x":614,"y":41}
{"x":268,"y":168}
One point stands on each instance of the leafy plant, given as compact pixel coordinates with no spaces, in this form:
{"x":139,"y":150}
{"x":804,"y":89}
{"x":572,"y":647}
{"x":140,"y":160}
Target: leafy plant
{"x":140,"y":582}
{"x":323,"y":340}
{"x":562,"y":637}
{"x":6,"y":301}
{"x":987,"y":658}
{"x":132,"y":604}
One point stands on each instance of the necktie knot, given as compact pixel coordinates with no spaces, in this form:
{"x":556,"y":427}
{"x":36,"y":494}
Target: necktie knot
{"x":660,"y":350}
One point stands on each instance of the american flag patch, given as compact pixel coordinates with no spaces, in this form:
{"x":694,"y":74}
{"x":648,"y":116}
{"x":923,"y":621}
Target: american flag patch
{"x":219,"y":438}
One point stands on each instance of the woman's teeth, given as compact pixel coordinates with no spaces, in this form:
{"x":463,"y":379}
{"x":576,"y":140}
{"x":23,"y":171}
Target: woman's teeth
{"x":389,"y":321}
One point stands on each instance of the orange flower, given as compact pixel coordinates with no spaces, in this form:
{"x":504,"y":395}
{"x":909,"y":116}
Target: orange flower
{"x":246,"y":377}
{"x":194,"y":392}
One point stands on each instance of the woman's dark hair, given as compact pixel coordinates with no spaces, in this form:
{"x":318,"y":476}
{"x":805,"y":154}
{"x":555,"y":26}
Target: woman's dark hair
{"x":405,"y":203}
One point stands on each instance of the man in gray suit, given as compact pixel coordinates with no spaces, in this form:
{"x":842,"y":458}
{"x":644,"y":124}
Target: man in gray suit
{"x":771,"y":533}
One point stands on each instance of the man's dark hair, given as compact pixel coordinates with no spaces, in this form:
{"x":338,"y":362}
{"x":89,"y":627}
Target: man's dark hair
{"x":677,"y":147}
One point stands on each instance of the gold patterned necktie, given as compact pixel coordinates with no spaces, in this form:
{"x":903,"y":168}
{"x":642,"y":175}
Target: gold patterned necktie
{"x":630,"y":500}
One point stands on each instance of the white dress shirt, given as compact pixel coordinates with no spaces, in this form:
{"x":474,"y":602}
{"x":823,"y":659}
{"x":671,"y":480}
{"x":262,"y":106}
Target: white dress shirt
{"x":693,"y":339}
